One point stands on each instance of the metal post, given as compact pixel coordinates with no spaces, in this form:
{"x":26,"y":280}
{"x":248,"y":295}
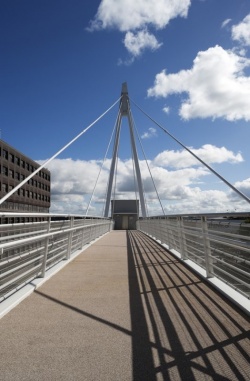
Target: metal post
{"x":46,"y":250}
{"x":83,"y":231}
{"x":182,"y":238}
{"x":207,"y":248}
{"x":70,"y":238}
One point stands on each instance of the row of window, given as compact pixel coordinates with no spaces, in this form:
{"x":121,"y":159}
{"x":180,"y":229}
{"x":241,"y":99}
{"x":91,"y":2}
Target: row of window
{"x":9,"y":205}
{"x":20,"y":177}
{"x":23,"y":164}
{"x":5,"y":188}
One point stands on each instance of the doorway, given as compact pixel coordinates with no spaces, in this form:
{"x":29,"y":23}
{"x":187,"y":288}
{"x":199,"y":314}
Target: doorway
{"x":124,"y":222}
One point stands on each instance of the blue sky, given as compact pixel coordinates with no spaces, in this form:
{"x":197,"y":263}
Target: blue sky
{"x":186,"y":63}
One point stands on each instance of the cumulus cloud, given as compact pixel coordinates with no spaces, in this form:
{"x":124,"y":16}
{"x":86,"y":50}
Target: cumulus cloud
{"x":139,"y":41}
{"x":208,"y":153}
{"x":75,"y":177}
{"x":179,"y":181}
{"x":166,"y":109}
{"x":216,"y":86}
{"x":134,"y":17}
{"x":244,"y":186}
{"x":127,"y":15}
{"x":149,"y":134}
{"x":241,"y":32}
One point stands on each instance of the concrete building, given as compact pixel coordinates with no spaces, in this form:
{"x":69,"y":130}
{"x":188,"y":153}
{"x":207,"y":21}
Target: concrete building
{"x":34,"y":196}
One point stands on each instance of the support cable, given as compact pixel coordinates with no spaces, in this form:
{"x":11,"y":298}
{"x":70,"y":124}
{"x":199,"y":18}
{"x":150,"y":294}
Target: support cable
{"x":135,"y":183}
{"x":197,"y":157}
{"x":107,"y":187}
{"x":56,"y":154}
{"x":114,"y":189}
{"x":104,"y":159}
{"x":138,"y":137}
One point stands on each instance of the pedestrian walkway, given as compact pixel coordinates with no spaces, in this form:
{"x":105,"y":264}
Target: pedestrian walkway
{"x":125,"y":310}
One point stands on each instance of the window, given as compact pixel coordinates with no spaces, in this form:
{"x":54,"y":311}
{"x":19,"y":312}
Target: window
{"x":22,"y":163}
{"x":22,"y":177}
{"x":17,"y":160}
{"x":5,"y":154}
{"x":17,"y":176}
{"x":5,"y":171}
{"x":11,"y":173}
{"x":5,"y":188}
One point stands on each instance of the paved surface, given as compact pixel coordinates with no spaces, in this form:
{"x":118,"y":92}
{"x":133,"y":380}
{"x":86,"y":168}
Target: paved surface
{"x":127,"y":310}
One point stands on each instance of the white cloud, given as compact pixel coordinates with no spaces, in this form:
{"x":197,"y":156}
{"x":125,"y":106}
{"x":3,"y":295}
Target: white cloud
{"x":166,"y":109}
{"x":134,"y":17}
{"x":149,"y":134}
{"x":244,"y":186}
{"x":208,"y":153}
{"x":136,"y":42}
{"x":73,"y":176}
{"x":181,"y":183}
{"x":216,"y":86}
{"x":126,"y":15}
{"x":225,"y":23}
{"x":241,"y":32}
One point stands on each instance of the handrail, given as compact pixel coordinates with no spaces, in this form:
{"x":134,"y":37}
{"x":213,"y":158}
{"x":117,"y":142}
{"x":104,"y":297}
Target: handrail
{"x":221,"y":250}
{"x":28,"y":250}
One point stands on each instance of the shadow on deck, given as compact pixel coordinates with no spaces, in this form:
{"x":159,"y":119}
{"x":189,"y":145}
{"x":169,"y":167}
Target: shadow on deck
{"x":125,"y":309}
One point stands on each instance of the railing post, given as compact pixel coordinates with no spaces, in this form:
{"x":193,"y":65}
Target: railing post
{"x":182,"y":238}
{"x":46,"y":250}
{"x":166,"y":232}
{"x":83,"y":231}
{"x":207,"y":248}
{"x":70,"y":238}
{"x":172,"y":244}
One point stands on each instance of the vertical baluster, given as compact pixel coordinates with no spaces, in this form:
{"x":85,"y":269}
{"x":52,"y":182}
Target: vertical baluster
{"x":46,"y":250}
{"x":207,"y":248}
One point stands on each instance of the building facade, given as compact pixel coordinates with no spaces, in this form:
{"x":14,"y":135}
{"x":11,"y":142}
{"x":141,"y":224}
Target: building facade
{"x":34,"y":196}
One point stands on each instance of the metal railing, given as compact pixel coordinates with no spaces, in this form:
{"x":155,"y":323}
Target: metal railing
{"x":219,"y":244}
{"x":29,"y":249}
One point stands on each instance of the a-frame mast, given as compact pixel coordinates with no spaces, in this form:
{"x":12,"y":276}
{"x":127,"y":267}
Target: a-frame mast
{"x":125,"y":111}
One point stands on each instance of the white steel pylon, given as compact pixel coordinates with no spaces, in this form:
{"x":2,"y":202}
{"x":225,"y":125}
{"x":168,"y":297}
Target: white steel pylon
{"x":125,"y":111}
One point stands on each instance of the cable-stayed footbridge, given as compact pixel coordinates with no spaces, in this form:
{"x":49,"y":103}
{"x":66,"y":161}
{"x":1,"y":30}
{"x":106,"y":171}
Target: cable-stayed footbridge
{"x":137,"y":298}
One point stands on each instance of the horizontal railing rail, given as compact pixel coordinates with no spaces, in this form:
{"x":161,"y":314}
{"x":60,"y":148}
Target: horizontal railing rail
{"x":29,"y":249}
{"x":218,"y":243}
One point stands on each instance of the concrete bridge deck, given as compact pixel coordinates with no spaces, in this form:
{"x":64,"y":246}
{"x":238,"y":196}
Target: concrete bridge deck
{"x":123,"y":310}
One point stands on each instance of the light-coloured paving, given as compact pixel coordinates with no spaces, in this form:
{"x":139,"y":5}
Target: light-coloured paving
{"x":123,"y":310}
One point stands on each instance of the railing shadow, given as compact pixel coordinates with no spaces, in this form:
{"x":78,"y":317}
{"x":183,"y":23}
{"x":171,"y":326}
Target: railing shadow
{"x":179,"y":329}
